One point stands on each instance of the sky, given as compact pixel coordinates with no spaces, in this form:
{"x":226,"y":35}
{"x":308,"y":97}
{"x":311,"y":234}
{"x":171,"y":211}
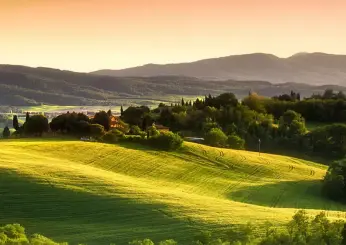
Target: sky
{"x":88,"y":35}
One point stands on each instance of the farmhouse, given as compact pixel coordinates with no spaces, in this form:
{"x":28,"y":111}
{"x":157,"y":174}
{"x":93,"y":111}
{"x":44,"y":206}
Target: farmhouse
{"x":115,"y":122}
{"x":161,"y":128}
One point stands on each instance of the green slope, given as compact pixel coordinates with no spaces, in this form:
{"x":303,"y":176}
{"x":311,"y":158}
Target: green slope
{"x":97,"y":193}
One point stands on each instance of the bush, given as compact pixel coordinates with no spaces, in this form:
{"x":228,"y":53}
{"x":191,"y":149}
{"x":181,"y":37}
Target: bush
{"x":112,"y":136}
{"x":96,"y":130}
{"x":334,"y":182}
{"x":144,"y":242}
{"x":135,"y":130}
{"x":215,"y":137}
{"x":133,"y":138}
{"x":166,"y":141}
{"x":153,"y":131}
{"x":235,"y":142}
{"x":6,"y":133}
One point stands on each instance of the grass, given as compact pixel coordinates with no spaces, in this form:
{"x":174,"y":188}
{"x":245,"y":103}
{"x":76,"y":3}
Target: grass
{"x":96,"y":193}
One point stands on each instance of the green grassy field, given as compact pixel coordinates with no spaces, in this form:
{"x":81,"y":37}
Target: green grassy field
{"x":97,"y":193}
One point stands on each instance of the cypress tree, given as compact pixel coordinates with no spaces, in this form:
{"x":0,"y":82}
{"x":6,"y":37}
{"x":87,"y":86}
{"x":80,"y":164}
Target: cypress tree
{"x":121,"y":110}
{"x":15,"y":122}
{"x":27,"y":117}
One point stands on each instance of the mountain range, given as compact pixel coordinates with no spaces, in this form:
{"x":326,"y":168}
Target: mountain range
{"x":265,"y":74}
{"x":309,"y":68}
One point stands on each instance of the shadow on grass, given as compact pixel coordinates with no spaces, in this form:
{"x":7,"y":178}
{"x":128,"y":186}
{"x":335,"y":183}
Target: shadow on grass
{"x":287,"y":194}
{"x":80,"y":217}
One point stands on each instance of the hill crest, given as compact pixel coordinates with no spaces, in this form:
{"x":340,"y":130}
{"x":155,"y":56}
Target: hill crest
{"x":311,"y":68}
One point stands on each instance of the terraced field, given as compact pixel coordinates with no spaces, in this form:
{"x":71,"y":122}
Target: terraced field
{"x":96,"y":193}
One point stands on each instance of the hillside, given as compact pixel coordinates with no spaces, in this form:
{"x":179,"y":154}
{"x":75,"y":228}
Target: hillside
{"x":22,"y":86}
{"x":309,"y":68}
{"x":97,"y":193}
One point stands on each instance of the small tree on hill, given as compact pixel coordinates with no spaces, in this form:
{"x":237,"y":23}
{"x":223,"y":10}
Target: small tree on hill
{"x":109,"y":112}
{"x":15,"y":122}
{"x":121,"y":111}
{"x":6,"y":133}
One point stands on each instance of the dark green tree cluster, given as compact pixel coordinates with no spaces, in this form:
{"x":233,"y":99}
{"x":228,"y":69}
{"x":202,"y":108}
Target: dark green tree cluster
{"x":71,"y":123}
{"x":328,"y":141}
{"x":334,"y":185}
{"x":288,"y":97}
{"x":329,"y":107}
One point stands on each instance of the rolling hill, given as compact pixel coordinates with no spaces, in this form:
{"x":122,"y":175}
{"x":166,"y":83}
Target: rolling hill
{"x":97,"y":193}
{"x":309,"y":68}
{"x":23,"y":86}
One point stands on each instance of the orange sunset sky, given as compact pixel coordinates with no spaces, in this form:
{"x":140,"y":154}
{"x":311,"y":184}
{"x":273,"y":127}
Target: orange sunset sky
{"x":87,"y":35}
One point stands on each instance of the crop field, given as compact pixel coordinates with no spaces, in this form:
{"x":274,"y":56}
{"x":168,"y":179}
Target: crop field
{"x":96,"y":193}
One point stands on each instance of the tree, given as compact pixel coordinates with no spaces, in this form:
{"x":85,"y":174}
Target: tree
{"x":15,"y":122}
{"x":135,"y":115}
{"x":36,"y":125}
{"x":27,"y":116}
{"x":182,"y":102}
{"x":109,"y":112}
{"x":328,"y":94}
{"x":292,"y":124}
{"x":121,"y":110}
{"x":235,"y":142}
{"x":152,"y":131}
{"x":96,"y":130}
{"x":6,"y":132}
{"x":103,"y":119}
{"x":215,"y":137}
{"x":255,"y":102}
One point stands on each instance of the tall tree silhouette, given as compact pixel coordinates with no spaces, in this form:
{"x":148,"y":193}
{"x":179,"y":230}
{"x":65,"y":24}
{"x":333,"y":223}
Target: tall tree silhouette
{"x":15,"y":122}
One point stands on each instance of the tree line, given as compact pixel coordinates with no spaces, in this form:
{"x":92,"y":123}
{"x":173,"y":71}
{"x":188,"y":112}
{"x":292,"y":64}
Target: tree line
{"x":300,"y":230}
{"x":98,"y":127}
{"x":277,"y":123}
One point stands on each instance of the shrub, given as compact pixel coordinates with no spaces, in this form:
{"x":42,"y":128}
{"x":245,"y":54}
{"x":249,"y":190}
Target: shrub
{"x":166,"y":141}
{"x":135,"y":130}
{"x":132,"y":138}
{"x":215,"y":137}
{"x":153,"y":131}
{"x":235,"y":142}
{"x":96,"y":130}
{"x":143,"y":242}
{"x":112,"y":136}
{"x":6,"y":133}
{"x":334,"y":182}
{"x":168,"y":242}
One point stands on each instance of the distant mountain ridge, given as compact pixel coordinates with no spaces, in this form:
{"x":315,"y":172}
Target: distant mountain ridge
{"x":20,"y":85}
{"x":308,"y":68}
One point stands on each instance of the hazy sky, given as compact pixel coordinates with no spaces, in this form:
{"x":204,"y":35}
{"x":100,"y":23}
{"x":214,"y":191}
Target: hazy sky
{"x":87,"y":35}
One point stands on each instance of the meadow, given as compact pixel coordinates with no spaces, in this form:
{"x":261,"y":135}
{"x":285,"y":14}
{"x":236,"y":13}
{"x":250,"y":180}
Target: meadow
{"x":100,"y":193}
